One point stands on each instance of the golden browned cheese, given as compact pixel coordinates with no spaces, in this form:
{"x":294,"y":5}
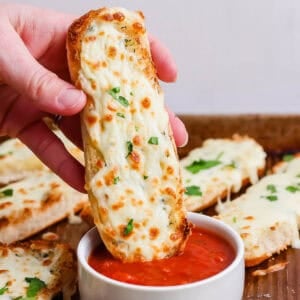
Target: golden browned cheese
{"x":132,"y":169}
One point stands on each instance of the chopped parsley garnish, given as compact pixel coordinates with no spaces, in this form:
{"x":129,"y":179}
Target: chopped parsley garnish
{"x":271,"y":188}
{"x":123,"y":101}
{"x":131,"y":93}
{"x":6,"y":193}
{"x":231,"y":165}
{"x":292,"y":188}
{"x":3,"y":289}
{"x":116,"y":179}
{"x":234,"y":219}
{"x":129,"y":148}
{"x":35,"y":285}
{"x":153,"y":140}
{"x":288,"y":157}
{"x":145,"y":177}
{"x":120,"y":115}
{"x":193,"y":190}
{"x":272,"y":197}
{"x":114,"y":93}
{"x":200,"y":165}
{"x":129,"y":227}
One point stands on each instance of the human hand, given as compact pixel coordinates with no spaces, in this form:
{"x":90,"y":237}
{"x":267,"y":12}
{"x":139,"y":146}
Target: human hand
{"x":33,"y":68}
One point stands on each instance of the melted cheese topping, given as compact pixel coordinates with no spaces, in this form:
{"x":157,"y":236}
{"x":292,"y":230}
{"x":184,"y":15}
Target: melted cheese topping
{"x":140,"y":173}
{"x":267,"y":216}
{"x":17,"y":263}
{"x":238,"y":159}
{"x":16,"y":160}
{"x":32,"y":193}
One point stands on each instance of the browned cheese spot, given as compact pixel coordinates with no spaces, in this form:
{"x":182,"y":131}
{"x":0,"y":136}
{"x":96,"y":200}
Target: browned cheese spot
{"x":146,"y":102}
{"x":99,"y":163}
{"x":166,"y":249}
{"x":47,"y":262}
{"x":133,"y":110}
{"x":91,"y":120}
{"x":108,"y":117}
{"x":90,"y":38}
{"x":154,"y":233}
{"x":111,"y":107}
{"x":122,"y":56}
{"x":5,"y":205}
{"x":245,"y":227}
{"x":138,"y":27}
{"x":109,"y":177}
{"x":273,"y":228}
{"x":170,"y":170}
{"x":138,"y":256}
{"x":129,"y":191}
{"x":118,"y":205}
{"x":103,"y":212}
{"x":104,"y":64}
{"x":99,"y":183}
{"x":167,"y":153}
{"x":28,"y":201}
{"x":244,"y":235}
{"x":249,"y":218}
{"x":137,"y":140}
{"x":3,"y":251}
{"x":169,"y":191}
{"x":141,"y":14}
{"x":101,"y":33}
{"x":135,"y":159}
{"x":107,"y":17}
{"x":118,"y":16}
{"x":112,"y":52}
{"x":22,"y":191}
{"x":53,"y":197}
{"x":3,"y":271}
{"x":54,"y":185}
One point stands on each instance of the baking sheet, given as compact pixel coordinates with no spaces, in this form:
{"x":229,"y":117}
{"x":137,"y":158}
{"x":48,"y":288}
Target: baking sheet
{"x":278,"y":135}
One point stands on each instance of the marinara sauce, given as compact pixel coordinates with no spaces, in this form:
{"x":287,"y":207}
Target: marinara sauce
{"x":205,"y":254}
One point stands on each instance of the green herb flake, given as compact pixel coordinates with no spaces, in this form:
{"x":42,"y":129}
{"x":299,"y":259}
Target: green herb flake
{"x":232,"y":165}
{"x":6,"y":193}
{"x":272,"y":197}
{"x":153,"y":140}
{"x":114,"y":92}
{"x":200,"y":165}
{"x":120,"y":115}
{"x":129,"y":146}
{"x":122,"y":100}
{"x":6,"y":154}
{"x":145,"y":177}
{"x":129,"y":227}
{"x":234,"y":219}
{"x":35,"y":285}
{"x":3,"y":289}
{"x":116,"y":179}
{"x":292,"y":189}
{"x":193,"y":190}
{"x":298,"y":175}
{"x":131,"y":94}
{"x":288,"y":157}
{"x":271,"y":188}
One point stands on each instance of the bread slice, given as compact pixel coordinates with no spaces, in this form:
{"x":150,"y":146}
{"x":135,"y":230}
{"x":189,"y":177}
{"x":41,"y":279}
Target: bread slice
{"x":267,"y":216}
{"x":132,"y":169}
{"x":34,"y":203}
{"x":218,"y":167}
{"x":17,"y":161}
{"x":37,"y":270}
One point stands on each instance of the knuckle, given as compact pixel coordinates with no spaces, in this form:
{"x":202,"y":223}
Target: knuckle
{"x":39,"y":82}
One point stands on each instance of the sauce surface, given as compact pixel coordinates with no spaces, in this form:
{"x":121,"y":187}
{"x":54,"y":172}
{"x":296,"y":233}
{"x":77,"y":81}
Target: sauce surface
{"x":205,"y":254}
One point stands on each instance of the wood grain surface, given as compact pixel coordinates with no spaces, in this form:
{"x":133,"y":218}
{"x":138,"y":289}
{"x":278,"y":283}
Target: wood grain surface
{"x":278,"y":135}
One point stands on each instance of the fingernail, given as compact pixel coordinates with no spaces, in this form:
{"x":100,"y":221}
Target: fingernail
{"x":69,"y":98}
{"x":185,"y":142}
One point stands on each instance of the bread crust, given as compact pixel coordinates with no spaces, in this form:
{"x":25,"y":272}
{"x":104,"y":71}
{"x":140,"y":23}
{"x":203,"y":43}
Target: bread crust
{"x":94,"y":157}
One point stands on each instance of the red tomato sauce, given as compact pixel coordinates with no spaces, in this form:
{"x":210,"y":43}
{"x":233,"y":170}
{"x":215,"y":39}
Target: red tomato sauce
{"x":206,"y":254}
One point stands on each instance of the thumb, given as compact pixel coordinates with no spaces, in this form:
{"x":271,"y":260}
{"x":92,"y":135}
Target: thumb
{"x":23,"y":73}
